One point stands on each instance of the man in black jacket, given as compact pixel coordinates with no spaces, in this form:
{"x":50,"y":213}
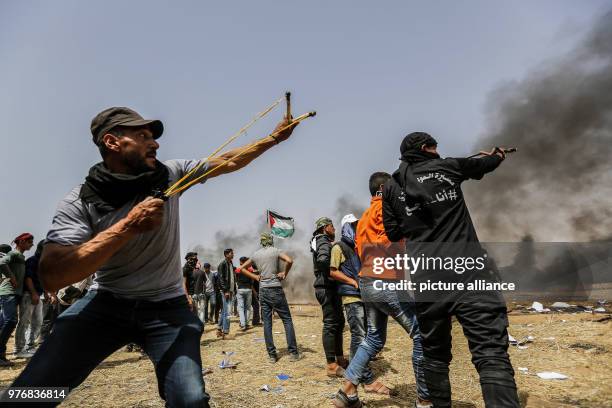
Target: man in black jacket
{"x":327,"y":295}
{"x":227,"y":283}
{"x":423,"y":203}
{"x":191,"y":261}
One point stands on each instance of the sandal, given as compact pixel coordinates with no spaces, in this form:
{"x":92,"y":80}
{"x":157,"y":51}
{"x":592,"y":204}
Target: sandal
{"x":341,"y":400}
{"x":378,"y":388}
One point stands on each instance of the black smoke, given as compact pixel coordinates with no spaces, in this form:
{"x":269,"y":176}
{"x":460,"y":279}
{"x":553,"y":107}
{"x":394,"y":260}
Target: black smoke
{"x":558,"y":186}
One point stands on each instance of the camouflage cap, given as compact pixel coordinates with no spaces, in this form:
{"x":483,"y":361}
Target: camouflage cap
{"x":266,"y":239}
{"x":322,"y":222}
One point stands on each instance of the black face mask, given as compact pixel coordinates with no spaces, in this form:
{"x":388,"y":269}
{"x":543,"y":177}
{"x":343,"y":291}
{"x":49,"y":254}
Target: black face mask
{"x":109,"y":191}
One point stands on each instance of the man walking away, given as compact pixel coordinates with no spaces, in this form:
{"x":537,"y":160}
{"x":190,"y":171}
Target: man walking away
{"x":30,"y":308}
{"x":245,"y":291}
{"x":425,"y":209}
{"x":12,"y":273}
{"x":272,"y":295}
{"x":227,"y":284}
{"x":208,"y":296}
{"x":327,"y":295}
{"x":198,"y":292}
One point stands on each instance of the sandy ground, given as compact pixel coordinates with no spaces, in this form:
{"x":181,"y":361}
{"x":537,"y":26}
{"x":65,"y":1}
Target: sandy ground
{"x":572,"y":344}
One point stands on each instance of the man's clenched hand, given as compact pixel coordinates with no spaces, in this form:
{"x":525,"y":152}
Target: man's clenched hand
{"x":146,"y":215}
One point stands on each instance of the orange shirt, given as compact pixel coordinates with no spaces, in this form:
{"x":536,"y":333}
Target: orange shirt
{"x":371,"y":241}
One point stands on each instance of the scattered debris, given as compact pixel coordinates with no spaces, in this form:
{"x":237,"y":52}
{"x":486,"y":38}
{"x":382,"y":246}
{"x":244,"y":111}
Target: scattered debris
{"x":283,"y":377}
{"x":561,"y":305}
{"x":602,"y":302}
{"x":520,"y":343}
{"x":539,"y":308}
{"x":589,"y":348}
{"x":549,"y":338}
{"x":227,"y":362}
{"x":551,"y":375}
{"x":523,"y":370}
{"x":265,"y":388}
{"x":259,"y":340}
{"x":599,"y":310}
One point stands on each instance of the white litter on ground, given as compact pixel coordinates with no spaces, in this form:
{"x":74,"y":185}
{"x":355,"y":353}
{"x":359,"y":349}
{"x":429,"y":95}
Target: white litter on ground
{"x":551,"y":375}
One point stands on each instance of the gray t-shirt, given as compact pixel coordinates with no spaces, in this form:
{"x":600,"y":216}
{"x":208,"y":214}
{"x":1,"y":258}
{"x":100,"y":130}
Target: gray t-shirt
{"x":267,"y":262}
{"x":147,"y":267}
{"x":209,"y":282}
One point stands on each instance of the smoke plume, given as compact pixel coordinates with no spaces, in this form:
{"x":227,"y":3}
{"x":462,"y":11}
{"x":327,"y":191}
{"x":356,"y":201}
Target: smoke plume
{"x":558,"y":185}
{"x":298,"y":287}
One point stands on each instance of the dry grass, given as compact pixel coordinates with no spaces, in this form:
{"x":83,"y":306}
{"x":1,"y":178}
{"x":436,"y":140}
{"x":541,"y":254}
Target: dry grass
{"x":126,"y":380}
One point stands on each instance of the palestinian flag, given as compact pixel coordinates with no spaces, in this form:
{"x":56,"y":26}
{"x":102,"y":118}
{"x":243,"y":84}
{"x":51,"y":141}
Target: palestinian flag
{"x":280,"y":226}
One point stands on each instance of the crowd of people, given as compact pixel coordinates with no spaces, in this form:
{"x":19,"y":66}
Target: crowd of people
{"x":26,"y":309}
{"x":112,"y":228}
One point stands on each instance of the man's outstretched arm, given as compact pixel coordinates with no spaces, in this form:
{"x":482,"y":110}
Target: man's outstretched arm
{"x":254,"y":150}
{"x":63,"y":265}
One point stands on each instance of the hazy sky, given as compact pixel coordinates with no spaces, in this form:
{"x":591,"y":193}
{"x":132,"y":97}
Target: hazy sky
{"x":373,"y":71}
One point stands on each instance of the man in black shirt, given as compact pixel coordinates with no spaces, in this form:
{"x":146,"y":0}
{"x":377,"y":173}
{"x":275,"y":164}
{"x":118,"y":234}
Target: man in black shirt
{"x":327,"y":296}
{"x":423,"y":203}
{"x":189,"y":280}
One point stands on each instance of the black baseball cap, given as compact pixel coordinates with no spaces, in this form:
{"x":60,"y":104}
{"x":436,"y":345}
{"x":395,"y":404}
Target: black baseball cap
{"x":122,"y":116}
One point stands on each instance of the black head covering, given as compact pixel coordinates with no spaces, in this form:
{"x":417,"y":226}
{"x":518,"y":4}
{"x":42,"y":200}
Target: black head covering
{"x":412,"y":153}
{"x":413,"y":142}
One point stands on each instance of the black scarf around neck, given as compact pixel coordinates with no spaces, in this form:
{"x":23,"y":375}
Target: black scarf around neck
{"x":109,"y":191}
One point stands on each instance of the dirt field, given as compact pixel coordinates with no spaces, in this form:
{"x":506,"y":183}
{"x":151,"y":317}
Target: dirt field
{"x":572,"y":344}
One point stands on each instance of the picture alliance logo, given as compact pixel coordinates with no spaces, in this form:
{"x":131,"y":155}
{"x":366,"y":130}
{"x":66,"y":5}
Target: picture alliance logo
{"x":423,"y":263}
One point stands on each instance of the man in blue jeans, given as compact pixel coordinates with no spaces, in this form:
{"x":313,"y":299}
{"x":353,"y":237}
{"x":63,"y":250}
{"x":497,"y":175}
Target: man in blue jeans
{"x":370,"y":240}
{"x":227,"y":282}
{"x":111,"y":226}
{"x":271,"y":294}
{"x":244,"y":296}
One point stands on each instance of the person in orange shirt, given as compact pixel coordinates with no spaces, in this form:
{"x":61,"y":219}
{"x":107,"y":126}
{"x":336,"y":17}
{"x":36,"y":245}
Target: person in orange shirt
{"x":371,"y":242}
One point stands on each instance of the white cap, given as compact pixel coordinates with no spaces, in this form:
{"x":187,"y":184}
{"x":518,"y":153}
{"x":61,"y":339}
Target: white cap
{"x":348,"y":218}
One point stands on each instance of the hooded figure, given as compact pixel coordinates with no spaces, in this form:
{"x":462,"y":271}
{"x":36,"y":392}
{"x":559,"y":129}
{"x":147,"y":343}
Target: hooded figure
{"x":351,"y":265}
